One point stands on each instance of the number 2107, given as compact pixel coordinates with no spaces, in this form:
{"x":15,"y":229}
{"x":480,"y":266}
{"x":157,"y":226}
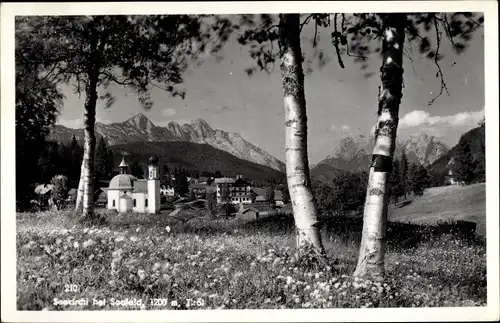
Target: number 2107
{"x":68,"y":288}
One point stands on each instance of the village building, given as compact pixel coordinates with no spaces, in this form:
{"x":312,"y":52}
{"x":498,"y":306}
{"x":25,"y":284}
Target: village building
{"x":202,"y":189}
{"x":101,"y":196}
{"x":167,"y":190}
{"x":129,"y":194}
{"x":253,"y":212}
{"x":450,"y":179}
{"x":260,"y":195}
{"x":205,"y":180}
{"x":238,"y":189}
{"x":278,"y":198}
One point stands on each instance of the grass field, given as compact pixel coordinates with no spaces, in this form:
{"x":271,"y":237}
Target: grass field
{"x":213,"y":264}
{"x":446,"y":203}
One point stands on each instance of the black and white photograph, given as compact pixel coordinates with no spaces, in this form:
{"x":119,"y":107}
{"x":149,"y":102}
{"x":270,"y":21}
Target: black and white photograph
{"x":201,"y":161}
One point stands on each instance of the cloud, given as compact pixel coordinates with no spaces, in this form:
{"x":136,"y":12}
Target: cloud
{"x":219,"y":109}
{"x":334,"y":128}
{"x":75,"y":123}
{"x":345,"y":128}
{"x":169,"y":112}
{"x":417,"y":118}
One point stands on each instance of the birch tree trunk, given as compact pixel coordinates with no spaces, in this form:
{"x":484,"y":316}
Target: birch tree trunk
{"x":79,"y":196}
{"x":89,"y":146}
{"x":372,"y":251}
{"x":297,"y":165}
{"x":89,"y":125}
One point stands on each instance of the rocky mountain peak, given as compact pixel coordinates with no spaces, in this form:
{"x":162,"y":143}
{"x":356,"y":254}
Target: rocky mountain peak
{"x":140,"y":128}
{"x":140,"y":121}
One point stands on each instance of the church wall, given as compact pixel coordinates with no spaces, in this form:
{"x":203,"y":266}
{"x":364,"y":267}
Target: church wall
{"x":113,"y":195}
{"x":139,"y":202}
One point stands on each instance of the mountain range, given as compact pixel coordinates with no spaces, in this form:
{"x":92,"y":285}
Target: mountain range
{"x":140,"y":129}
{"x":233,"y":153}
{"x":354,"y":154}
{"x":196,"y":157}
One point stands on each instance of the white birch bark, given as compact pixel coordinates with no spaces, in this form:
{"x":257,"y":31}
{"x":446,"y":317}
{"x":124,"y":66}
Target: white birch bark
{"x":371,"y":262}
{"x":297,"y":165}
{"x":88,"y":161}
{"x":79,"y":196}
{"x":89,"y":126}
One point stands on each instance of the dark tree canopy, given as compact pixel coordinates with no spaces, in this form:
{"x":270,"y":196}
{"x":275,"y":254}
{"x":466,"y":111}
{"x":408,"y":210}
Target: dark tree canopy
{"x":155,"y":54}
{"x":464,"y":163}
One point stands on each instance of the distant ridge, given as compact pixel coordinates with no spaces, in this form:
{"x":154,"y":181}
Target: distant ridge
{"x":354,"y":154}
{"x":140,"y":128}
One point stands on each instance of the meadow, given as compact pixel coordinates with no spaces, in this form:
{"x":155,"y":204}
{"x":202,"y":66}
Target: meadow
{"x":221,"y":263}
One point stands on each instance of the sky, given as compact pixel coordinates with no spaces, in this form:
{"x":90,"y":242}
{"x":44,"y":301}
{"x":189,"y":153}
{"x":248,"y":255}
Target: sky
{"x":340,"y":102}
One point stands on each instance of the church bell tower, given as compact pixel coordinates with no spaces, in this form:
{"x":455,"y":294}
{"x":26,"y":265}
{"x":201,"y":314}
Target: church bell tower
{"x":153,"y":186}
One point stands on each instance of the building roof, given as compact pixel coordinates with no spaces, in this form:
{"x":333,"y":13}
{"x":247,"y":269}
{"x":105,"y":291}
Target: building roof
{"x":153,"y":160}
{"x":260,"y":198}
{"x":255,"y":207}
{"x":121,"y":182}
{"x":141,"y":186}
{"x":126,"y":197}
{"x":259,"y":191}
{"x":43,"y":189}
{"x":199,"y":186}
{"x":243,"y":211}
{"x":123,"y":163}
{"x":224,"y":180}
{"x":241,"y":182}
{"x":101,"y":189}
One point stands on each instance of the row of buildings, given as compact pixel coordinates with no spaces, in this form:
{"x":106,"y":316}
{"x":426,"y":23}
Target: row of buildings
{"x":128,"y":193}
{"x":237,"y":190}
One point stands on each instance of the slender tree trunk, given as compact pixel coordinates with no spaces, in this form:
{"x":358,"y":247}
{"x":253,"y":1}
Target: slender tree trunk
{"x":79,"y":196}
{"x":89,"y":144}
{"x":89,"y":124}
{"x":297,"y":165}
{"x":372,"y":250}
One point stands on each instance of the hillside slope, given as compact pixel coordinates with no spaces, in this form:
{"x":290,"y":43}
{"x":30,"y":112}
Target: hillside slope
{"x":200,"y":157}
{"x":445,"y":203}
{"x":476,"y":140}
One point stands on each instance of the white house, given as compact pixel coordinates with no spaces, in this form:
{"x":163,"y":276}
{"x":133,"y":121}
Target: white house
{"x":167,"y":190}
{"x":127,"y":193}
{"x":237,"y":188}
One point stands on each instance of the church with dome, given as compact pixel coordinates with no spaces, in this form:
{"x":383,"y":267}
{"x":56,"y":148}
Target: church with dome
{"x":126,"y":193}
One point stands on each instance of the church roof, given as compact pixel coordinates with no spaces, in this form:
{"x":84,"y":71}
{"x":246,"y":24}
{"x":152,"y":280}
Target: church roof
{"x":126,"y":197}
{"x":123,"y":163}
{"x":153,"y":160}
{"x":141,"y":186}
{"x":121,"y":182}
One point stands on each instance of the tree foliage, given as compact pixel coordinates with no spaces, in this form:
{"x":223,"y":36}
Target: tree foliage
{"x":137,"y":170}
{"x":346,"y":193}
{"x":419,"y":179}
{"x":60,"y":189}
{"x":138,"y":52}
{"x":37,"y":105}
{"x":425,"y":31}
{"x":103,"y":161}
{"x":464,"y":164}
{"x":397,"y":188}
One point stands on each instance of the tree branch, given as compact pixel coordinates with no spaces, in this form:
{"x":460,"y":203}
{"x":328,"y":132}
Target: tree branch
{"x":336,"y":41}
{"x":439,"y":72}
{"x":305,"y":22}
{"x":315,"y":34}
